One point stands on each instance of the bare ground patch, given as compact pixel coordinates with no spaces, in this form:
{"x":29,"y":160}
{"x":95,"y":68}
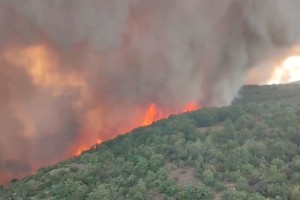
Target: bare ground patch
{"x":216,"y":128}
{"x":78,"y":166}
{"x":219,"y":196}
{"x":182,"y":175}
{"x":231,"y":185}
{"x":154,"y":194}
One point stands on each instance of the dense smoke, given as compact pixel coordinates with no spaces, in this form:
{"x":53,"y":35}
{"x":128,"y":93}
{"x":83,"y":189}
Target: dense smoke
{"x":73,"y":71}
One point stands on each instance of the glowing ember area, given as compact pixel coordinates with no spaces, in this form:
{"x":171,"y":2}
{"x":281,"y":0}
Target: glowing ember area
{"x":288,"y":71}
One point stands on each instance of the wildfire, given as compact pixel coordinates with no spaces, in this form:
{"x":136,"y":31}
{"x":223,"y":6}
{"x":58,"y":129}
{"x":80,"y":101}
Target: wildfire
{"x":42,"y":66}
{"x":152,"y":114}
{"x":288,"y":71}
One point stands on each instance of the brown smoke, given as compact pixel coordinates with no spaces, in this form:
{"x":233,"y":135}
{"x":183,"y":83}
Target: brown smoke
{"x":74,"y":71}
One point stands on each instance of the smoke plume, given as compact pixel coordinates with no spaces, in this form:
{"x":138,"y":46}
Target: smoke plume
{"x":74,"y":71}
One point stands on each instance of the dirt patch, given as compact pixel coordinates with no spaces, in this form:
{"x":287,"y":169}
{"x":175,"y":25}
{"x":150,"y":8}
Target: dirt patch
{"x":219,"y":196}
{"x":78,"y":166}
{"x":216,"y":128}
{"x":230,"y":185}
{"x":56,"y":172}
{"x":182,"y":175}
{"x":154,"y":194}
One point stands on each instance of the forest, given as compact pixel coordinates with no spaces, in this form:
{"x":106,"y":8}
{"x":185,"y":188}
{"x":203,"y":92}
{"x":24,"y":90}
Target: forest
{"x":246,"y":151}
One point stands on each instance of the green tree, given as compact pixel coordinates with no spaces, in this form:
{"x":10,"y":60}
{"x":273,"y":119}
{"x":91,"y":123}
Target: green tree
{"x":229,"y":130}
{"x":231,"y":194}
{"x":101,"y":192}
{"x":141,"y":167}
{"x":256,"y":197}
{"x":150,"y":179}
{"x":280,"y":190}
{"x":208,"y":177}
{"x":156,"y":162}
{"x":70,"y":190}
{"x":220,"y":186}
{"x":138,"y":192}
{"x":297,"y":164}
{"x":295,"y":193}
{"x":242,"y":184}
{"x":190,"y":192}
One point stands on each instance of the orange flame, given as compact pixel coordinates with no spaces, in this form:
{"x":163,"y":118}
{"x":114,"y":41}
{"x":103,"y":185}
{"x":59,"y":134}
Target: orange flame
{"x":152,"y":115}
{"x":191,"y":107}
{"x":85,"y":148}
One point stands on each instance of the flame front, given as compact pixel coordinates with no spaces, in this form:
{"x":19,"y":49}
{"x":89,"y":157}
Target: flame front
{"x":151,"y":114}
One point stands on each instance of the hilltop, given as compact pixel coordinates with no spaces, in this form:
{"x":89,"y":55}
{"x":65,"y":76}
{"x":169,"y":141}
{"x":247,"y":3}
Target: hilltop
{"x":247,"y":151}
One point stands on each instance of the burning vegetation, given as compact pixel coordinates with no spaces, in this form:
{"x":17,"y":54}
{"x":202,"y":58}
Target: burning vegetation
{"x":78,"y":73}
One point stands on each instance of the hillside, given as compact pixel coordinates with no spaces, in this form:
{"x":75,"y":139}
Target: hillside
{"x":265,"y":94}
{"x":247,"y":151}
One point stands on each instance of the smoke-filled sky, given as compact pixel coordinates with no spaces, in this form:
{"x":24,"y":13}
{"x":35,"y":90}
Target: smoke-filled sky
{"x":73,"y":71}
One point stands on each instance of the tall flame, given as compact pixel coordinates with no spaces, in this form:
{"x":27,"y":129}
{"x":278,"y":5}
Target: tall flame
{"x":151,"y":115}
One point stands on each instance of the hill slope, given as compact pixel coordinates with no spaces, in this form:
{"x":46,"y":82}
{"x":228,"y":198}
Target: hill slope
{"x":246,"y":151}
